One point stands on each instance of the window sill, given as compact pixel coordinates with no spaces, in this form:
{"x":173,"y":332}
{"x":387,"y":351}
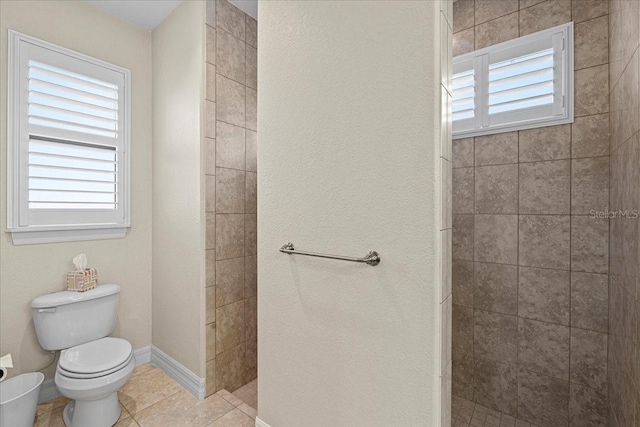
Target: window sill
{"x":38,"y":236}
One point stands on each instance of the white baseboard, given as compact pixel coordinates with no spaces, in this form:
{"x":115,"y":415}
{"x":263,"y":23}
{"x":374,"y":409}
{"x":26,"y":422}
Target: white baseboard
{"x":142,"y":355}
{"x":187,"y":379}
{"x":49,"y":391}
{"x":260,"y":423}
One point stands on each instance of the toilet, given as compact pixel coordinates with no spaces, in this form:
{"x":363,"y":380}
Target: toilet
{"x":92,"y":365}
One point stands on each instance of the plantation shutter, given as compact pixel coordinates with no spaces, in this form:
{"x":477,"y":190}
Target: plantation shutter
{"x":72,"y":142}
{"x":519,"y":84}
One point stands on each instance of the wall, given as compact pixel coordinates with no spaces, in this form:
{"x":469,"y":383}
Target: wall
{"x":349,"y":161}
{"x":32,"y":270}
{"x":530,"y":263}
{"x":178,"y":202}
{"x":230,"y":176}
{"x":624,"y":286}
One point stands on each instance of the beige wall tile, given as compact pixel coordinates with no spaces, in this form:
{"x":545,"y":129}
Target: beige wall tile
{"x":544,"y":348}
{"x":496,"y":238}
{"x":543,"y":400}
{"x":210,"y":378}
{"x":462,"y":282}
{"x":592,"y":91}
{"x":496,"y":31}
{"x":252,"y":110}
{"x":463,"y":15}
{"x":250,"y":276}
{"x":210,"y":119}
{"x":463,"y":190}
{"x":589,"y":185}
{"x":587,"y":406}
{"x":251,"y":147}
{"x":591,"y":43}
{"x":230,"y":18}
{"x":589,"y":244}
{"x":210,"y":304}
{"x":251,"y":360}
{"x":210,"y":156}
{"x":495,"y":385}
{"x":547,"y":143}
{"x":590,"y":136}
{"x":210,"y":255}
{"x":230,"y":184}
{"x":250,"y":318}
{"x":230,"y":56}
{"x":251,"y":192}
{"x":495,"y":336}
{"x":229,"y":236}
{"x":590,"y":301}
{"x":230,"y":146}
{"x":545,"y":187}
{"x":251,"y":234}
{"x":544,"y":241}
{"x":496,"y":189}
{"x":210,"y":196}
{"x":589,"y":358}
{"x":251,"y":28}
{"x":251,"y":76}
{"x":230,"y":327}
{"x":211,"y":45}
{"x":463,"y":237}
{"x":544,"y":15}
{"x":229,"y":281}
{"x":497,"y":149}
{"x":486,"y":10}
{"x":210,"y":338}
{"x":528,"y":3}
{"x":210,"y":231}
{"x":464,"y":41}
{"x":230,"y":373}
{"x":210,"y":93}
{"x":544,"y":294}
{"x":463,"y":152}
{"x":496,"y":288}
{"x":210,"y":13}
{"x":230,"y":101}
{"x":584,"y":10}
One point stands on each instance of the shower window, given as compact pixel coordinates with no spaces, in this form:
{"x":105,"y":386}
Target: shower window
{"x":68,"y":145}
{"x":520,"y":84}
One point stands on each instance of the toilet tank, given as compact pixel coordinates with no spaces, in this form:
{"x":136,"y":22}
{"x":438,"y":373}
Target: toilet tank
{"x":66,"y":319}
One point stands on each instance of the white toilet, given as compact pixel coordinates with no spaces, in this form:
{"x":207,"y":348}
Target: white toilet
{"x":92,"y":366}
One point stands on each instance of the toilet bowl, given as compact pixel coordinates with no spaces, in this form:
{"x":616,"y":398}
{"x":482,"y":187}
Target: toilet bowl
{"x":91,"y":374}
{"x":92,"y":365}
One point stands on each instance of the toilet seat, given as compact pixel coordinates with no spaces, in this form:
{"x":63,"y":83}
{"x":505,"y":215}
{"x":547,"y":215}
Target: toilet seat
{"x":95,"y":359}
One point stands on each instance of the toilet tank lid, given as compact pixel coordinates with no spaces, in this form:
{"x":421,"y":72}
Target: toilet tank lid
{"x":67,"y":297}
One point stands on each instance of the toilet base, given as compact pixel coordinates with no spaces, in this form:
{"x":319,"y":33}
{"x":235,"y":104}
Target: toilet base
{"x":92,"y":413}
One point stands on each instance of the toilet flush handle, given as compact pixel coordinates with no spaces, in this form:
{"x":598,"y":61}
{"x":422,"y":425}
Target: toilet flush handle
{"x":47,"y":310}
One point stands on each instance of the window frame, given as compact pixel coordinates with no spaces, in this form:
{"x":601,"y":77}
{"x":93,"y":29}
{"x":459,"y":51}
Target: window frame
{"x":17,"y":133}
{"x":480,"y":60}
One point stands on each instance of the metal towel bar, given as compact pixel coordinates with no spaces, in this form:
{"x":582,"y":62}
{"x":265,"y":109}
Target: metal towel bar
{"x":372,"y":258}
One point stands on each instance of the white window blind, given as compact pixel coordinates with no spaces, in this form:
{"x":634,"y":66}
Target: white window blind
{"x":520,"y":84}
{"x":69,"y":141}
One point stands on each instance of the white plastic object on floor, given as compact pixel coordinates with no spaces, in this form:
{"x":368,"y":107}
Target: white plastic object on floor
{"x":19,"y":398}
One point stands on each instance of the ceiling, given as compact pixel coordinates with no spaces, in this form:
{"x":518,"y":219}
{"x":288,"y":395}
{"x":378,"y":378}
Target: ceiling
{"x":148,"y":14}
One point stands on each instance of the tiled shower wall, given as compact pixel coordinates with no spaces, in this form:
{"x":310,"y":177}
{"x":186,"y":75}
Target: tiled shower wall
{"x":230,"y":149}
{"x":530,"y":269}
{"x":624,"y":286}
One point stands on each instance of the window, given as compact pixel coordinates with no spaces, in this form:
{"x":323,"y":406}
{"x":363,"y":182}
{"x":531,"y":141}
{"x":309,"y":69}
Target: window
{"x":520,"y":84}
{"x":68,"y":144}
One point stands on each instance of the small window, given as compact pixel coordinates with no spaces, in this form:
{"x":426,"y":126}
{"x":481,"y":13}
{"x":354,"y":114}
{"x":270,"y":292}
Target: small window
{"x":68,"y":145}
{"x":520,"y":84}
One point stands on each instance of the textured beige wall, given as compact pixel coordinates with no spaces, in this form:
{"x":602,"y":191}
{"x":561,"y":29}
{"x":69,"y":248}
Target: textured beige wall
{"x":29,"y":271}
{"x":178,"y":210}
{"x":349,"y":161}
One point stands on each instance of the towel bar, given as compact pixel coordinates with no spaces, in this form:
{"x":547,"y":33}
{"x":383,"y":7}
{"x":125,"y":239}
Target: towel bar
{"x":372,"y":258}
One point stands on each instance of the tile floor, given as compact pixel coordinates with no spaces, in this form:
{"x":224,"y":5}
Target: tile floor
{"x":465,"y":413}
{"x":151,"y":398}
